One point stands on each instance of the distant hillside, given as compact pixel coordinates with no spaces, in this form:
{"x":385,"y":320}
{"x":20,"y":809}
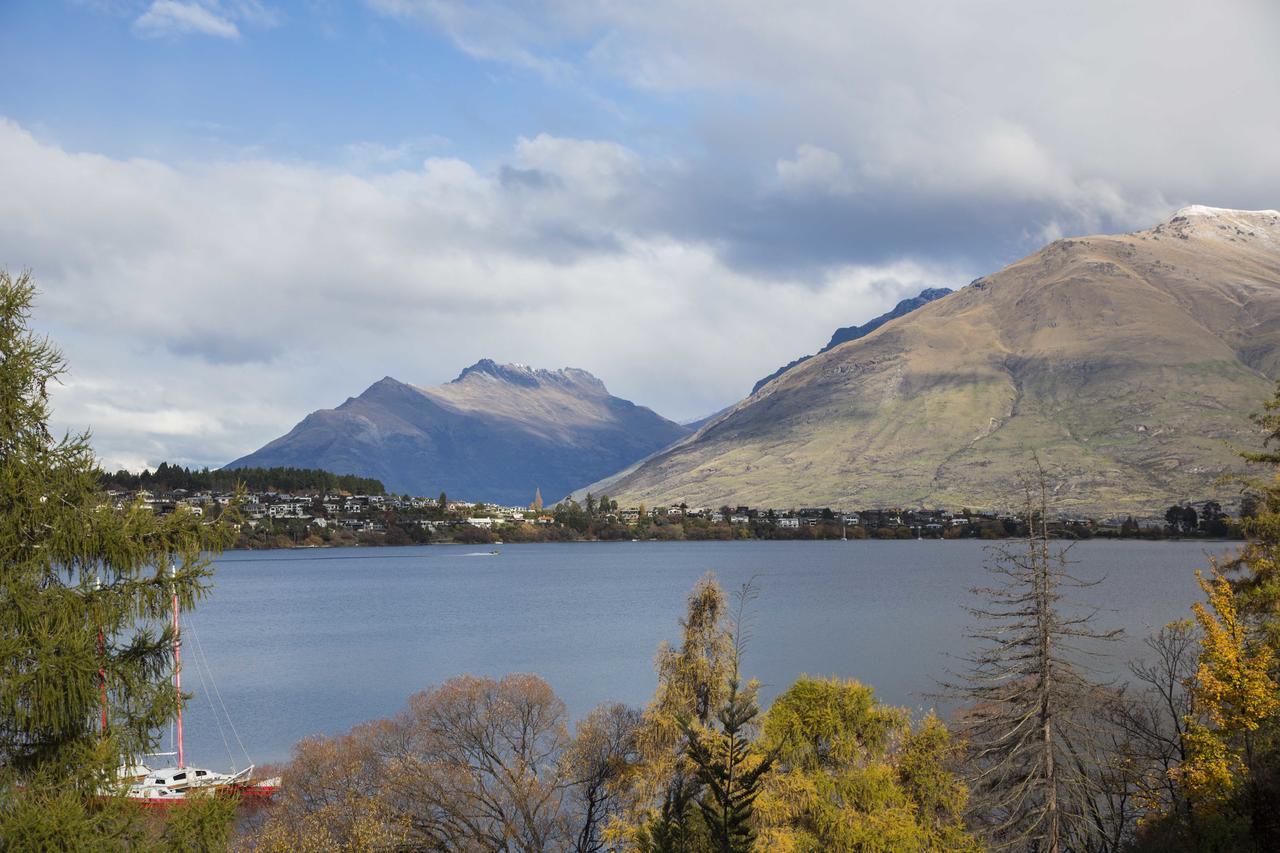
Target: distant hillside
{"x":1129,"y":363}
{"x":852,"y":333}
{"x":496,"y":433}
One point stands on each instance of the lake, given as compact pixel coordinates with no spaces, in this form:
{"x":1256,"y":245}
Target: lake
{"x":314,"y":641}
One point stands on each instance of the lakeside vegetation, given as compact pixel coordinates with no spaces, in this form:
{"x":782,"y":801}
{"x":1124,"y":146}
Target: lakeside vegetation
{"x":1039,"y":757}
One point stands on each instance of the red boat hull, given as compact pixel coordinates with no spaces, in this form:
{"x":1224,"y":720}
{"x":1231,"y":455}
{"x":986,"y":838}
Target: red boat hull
{"x":246,"y":793}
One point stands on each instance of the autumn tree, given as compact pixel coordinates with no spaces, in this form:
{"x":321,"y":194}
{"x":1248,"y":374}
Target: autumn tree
{"x":475,"y":763}
{"x":1222,"y":786}
{"x":471,"y":764}
{"x":1146,"y":727}
{"x":1255,"y":573}
{"x":693,"y":677}
{"x":596,"y":764}
{"x":725,"y":758}
{"x":332,"y":799}
{"x":85,"y":591}
{"x":1239,"y":665}
{"x":693,"y":682}
{"x":853,"y":774}
{"x":1230,"y":763}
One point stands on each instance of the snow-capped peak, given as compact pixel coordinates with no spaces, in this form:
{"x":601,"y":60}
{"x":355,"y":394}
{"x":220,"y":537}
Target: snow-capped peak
{"x":1222,"y":212}
{"x":1257,"y":227}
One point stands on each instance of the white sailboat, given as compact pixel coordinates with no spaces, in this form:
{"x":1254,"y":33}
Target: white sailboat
{"x":171,"y":785}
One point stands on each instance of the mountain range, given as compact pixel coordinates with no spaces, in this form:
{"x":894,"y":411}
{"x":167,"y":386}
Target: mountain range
{"x":1128,"y":363}
{"x":497,"y":433}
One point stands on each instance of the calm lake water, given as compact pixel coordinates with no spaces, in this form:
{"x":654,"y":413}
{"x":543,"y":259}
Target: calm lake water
{"x":314,"y":641}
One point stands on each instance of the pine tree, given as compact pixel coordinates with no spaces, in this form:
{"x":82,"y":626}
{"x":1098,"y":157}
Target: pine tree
{"x":1257,"y":569}
{"x":731,"y":769}
{"x":84,"y":595}
{"x":677,"y":827}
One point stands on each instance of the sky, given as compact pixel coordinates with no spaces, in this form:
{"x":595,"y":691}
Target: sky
{"x":240,"y":211}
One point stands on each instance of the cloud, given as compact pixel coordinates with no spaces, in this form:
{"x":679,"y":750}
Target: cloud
{"x":813,"y":169}
{"x":218,"y":18}
{"x":1075,"y":118}
{"x":490,"y":29}
{"x":169,"y":18}
{"x":205,"y":308}
{"x":368,"y":156}
{"x":253,"y":12}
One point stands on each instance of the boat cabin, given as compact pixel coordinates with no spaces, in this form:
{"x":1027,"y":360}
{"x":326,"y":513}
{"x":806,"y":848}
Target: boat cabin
{"x":180,"y":777}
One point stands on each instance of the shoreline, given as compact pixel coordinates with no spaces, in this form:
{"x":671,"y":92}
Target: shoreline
{"x":351,"y":546}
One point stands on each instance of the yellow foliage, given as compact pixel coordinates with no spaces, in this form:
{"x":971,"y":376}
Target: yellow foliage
{"x":354,"y":823}
{"x":853,"y":775}
{"x":693,"y":681}
{"x":1233,"y":683}
{"x":1233,"y":689}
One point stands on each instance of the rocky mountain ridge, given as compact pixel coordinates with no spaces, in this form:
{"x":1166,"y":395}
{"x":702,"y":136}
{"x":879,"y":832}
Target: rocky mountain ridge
{"x":496,"y":433}
{"x":852,"y":333}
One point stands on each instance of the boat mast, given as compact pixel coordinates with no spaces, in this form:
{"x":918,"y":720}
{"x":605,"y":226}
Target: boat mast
{"x":102,"y":662}
{"x":177,"y":661}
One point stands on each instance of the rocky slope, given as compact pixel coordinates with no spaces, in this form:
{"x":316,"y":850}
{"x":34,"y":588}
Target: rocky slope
{"x":495,"y":433}
{"x":851,"y":333}
{"x":1129,"y":363}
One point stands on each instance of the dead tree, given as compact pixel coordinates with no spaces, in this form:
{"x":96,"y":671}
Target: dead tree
{"x":1025,"y":695}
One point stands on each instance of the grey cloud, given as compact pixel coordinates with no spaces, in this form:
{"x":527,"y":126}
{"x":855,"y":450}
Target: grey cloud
{"x":952,"y":130}
{"x":218,"y":347}
{"x":535,"y":179}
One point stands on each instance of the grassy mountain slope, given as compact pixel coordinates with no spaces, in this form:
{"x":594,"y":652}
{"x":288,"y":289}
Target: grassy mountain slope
{"x":1129,"y":363}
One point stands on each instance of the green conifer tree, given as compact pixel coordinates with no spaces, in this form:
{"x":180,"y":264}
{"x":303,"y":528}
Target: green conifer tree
{"x":677,"y":827}
{"x":85,"y":591}
{"x":731,"y":769}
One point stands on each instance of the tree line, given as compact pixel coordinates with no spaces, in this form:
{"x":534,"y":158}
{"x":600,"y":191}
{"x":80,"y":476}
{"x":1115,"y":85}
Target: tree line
{"x":168,"y":477}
